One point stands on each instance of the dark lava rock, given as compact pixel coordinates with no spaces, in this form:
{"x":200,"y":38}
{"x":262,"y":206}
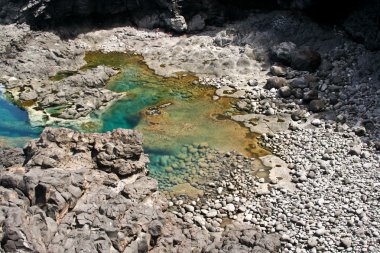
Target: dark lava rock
{"x":317,"y":105}
{"x":119,"y":151}
{"x":305,"y":59}
{"x":275,"y":82}
{"x":310,"y":95}
{"x":69,"y":198}
{"x":10,"y":157}
{"x":285,"y":91}
{"x":245,"y":239}
{"x":282,"y":53}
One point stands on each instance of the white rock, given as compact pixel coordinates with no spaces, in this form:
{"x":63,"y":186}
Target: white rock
{"x":212,"y":213}
{"x":230,"y":207}
{"x":316,"y":122}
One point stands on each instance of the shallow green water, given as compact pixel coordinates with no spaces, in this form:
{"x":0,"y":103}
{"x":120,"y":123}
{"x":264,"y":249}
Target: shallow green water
{"x":179,"y":120}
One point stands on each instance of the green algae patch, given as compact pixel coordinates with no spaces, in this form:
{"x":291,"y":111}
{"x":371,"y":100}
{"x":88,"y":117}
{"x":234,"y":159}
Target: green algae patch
{"x":62,"y":75}
{"x":178,"y":117}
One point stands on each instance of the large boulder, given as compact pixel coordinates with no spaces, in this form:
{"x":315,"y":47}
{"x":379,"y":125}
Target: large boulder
{"x":119,"y":151}
{"x":177,"y":23}
{"x":304,"y":58}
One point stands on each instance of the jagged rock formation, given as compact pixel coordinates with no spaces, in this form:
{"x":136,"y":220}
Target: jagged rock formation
{"x":182,"y":15}
{"x":89,"y":193}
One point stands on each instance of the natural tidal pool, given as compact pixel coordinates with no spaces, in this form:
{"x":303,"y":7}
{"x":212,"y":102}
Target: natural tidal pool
{"x":181,"y":123}
{"x":15,"y":128}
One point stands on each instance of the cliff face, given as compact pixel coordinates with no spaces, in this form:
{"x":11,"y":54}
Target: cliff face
{"x":360,"y":20}
{"x":56,"y":11}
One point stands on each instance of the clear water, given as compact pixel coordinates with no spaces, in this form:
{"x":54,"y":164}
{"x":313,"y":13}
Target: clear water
{"x":180,"y":121}
{"x":15,"y":128}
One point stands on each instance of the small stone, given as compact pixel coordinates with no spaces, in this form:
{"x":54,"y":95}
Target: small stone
{"x":285,"y":92}
{"x":283,"y":52}
{"x":316,"y":122}
{"x":355,"y":150}
{"x":286,"y":238}
{"x":299,"y":83}
{"x":248,"y":217}
{"x":270,"y":111}
{"x":28,"y":95}
{"x":312,"y":242}
{"x":229,"y":199}
{"x":199,"y":220}
{"x":311,"y":174}
{"x":320,"y":231}
{"x":278,"y":71}
{"x":212,"y":213}
{"x":317,"y":105}
{"x":189,"y":208}
{"x":219,"y":190}
{"x":305,"y":59}
{"x":276,"y":82}
{"x":230,"y":207}
{"x":155,"y":228}
{"x":346,"y":242}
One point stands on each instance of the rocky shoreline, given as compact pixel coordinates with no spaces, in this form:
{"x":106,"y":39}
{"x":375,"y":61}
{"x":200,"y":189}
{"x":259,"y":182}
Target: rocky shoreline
{"x":70,"y":191}
{"x":314,"y":97}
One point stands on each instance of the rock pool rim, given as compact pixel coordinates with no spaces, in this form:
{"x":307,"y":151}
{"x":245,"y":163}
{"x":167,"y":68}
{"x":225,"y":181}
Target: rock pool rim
{"x":187,"y":80}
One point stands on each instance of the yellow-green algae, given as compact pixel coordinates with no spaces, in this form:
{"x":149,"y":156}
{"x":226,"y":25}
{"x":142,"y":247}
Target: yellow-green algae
{"x":179,"y":119}
{"x":188,"y":115}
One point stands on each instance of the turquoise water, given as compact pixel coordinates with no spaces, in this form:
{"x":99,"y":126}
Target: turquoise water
{"x":15,"y":127}
{"x":180,"y":122}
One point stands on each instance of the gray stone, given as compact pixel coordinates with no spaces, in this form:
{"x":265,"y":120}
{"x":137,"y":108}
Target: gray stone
{"x":285,"y":91}
{"x":283,"y":52}
{"x":212,"y":213}
{"x":278,"y":71}
{"x":197,"y":23}
{"x":305,"y":59}
{"x":230,"y":207}
{"x":312,"y":242}
{"x":317,"y":105}
{"x":346,"y":242}
{"x":275,"y":82}
{"x":155,"y":228}
{"x":177,"y":23}
{"x":28,"y":95}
